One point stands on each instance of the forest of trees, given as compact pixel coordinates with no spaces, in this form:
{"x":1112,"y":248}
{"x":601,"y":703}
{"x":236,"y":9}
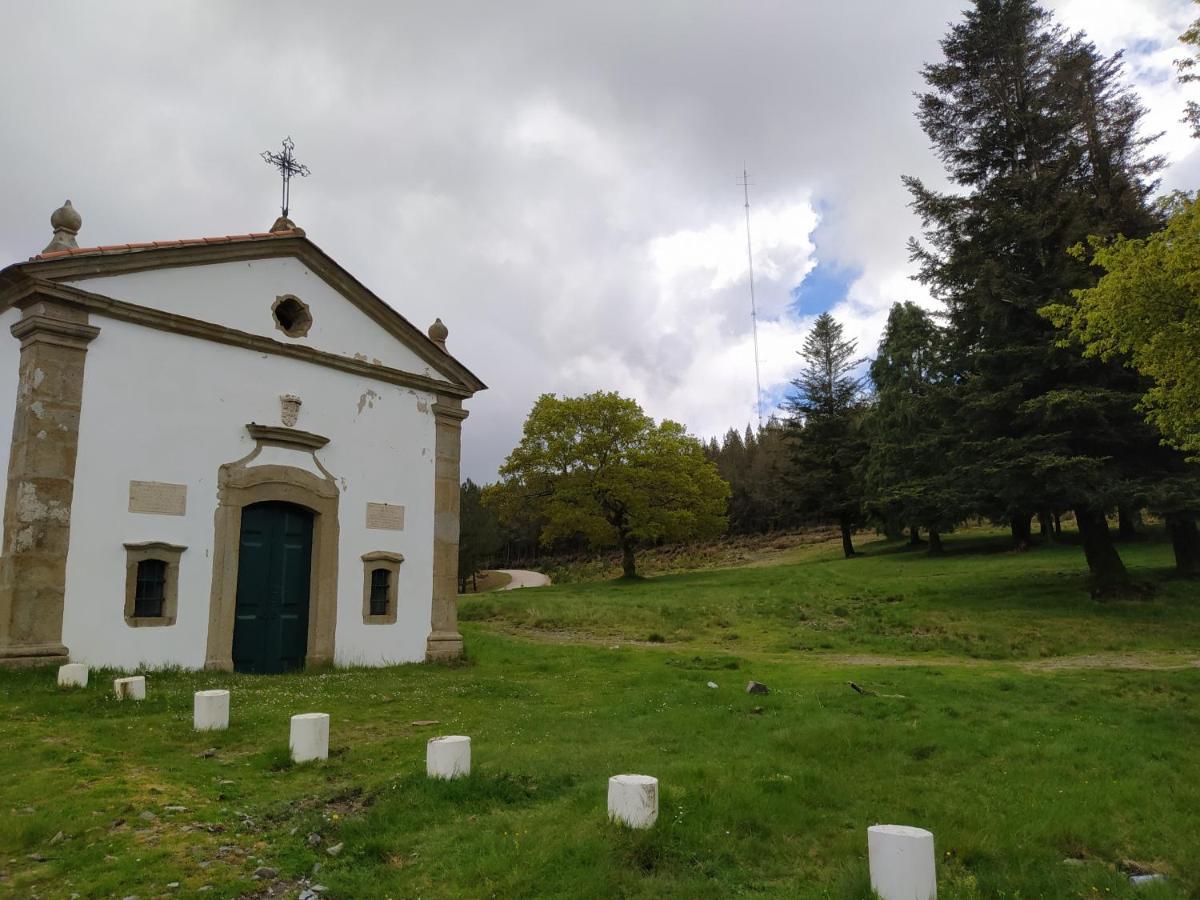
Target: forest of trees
{"x":1026,"y":397}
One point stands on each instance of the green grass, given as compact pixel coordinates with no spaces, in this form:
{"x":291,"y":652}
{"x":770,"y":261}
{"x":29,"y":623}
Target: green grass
{"x":1014,"y":768}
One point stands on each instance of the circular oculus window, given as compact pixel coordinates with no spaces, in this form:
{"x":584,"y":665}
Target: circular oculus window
{"x":291,"y":315}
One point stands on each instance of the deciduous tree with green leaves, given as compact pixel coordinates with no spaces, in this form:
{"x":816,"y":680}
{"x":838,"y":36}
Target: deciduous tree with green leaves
{"x":1145,"y":310}
{"x":597,"y":466}
{"x":479,"y":537}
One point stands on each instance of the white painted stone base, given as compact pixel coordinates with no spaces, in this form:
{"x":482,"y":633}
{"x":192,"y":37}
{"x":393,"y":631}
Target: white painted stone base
{"x":902,"y":862}
{"x":131,"y":688}
{"x":73,"y":675}
{"x":633,"y":800}
{"x":448,"y":757}
{"x":210,"y":711}
{"x":310,"y":737}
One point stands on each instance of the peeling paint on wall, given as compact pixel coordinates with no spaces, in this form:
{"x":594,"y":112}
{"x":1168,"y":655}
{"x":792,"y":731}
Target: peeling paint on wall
{"x":367,"y":400}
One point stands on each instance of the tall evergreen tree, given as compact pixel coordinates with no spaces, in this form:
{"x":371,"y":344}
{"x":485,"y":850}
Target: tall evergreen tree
{"x":907,"y":468}
{"x":1042,"y":141}
{"x":826,"y":430}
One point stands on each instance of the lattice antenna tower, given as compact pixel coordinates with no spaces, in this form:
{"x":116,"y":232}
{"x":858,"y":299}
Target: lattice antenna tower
{"x":745,"y":183}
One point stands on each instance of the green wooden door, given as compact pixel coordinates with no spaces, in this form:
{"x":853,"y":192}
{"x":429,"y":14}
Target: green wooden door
{"x":271,"y":629}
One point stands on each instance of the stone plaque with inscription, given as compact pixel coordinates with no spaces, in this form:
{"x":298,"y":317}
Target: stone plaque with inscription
{"x":385,"y":516}
{"x":157,"y":498}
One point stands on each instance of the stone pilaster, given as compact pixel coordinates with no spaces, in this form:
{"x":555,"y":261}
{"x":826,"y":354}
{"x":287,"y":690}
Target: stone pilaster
{"x":444,"y":640}
{"x":41,"y":480}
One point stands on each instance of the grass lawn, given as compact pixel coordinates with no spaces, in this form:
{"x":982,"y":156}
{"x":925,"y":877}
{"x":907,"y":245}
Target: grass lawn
{"x":978,"y":729}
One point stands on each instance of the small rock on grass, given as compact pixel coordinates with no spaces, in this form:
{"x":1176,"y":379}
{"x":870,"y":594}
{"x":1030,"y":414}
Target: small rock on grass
{"x":757,"y":687}
{"x":313,"y":839}
{"x":207,"y":754}
{"x":420,"y":723}
{"x":265,"y":872}
{"x":713,"y":684}
{"x":58,"y":838}
{"x":335,"y":849}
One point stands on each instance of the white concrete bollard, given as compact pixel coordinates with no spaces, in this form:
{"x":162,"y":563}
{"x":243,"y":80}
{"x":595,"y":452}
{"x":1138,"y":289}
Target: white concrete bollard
{"x":132,"y":688}
{"x":633,"y":800}
{"x":73,"y":675}
{"x":902,"y":862}
{"x":210,"y":711}
{"x":448,"y":756}
{"x":310,"y":737}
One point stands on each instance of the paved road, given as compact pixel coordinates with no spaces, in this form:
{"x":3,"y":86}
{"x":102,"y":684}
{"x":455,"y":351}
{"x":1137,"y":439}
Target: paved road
{"x":522,"y":578}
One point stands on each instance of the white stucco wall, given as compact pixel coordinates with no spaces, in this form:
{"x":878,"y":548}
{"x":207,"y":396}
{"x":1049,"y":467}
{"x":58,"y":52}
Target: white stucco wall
{"x":240,"y":295}
{"x":10,"y":365}
{"x":164,"y":407}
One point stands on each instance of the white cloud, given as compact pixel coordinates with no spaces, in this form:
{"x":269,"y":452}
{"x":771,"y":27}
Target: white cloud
{"x":558,"y":182}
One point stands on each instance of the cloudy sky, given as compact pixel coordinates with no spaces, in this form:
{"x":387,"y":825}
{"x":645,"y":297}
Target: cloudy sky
{"x":558,"y":181}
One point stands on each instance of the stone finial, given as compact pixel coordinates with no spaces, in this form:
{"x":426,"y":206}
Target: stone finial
{"x":66,"y":223}
{"x":283,"y":223}
{"x":438,"y":333}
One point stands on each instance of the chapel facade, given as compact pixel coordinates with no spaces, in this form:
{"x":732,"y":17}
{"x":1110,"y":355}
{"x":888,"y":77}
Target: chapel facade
{"x":223,"y":453}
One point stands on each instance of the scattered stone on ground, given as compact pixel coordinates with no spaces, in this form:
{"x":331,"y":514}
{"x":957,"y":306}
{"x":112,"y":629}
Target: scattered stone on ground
{"x":313,"y":839}
{"x":172,"y":885}
{"x":421,"y":723}
{"x":713,"y":684}
{"x":758,"y":711}
{"x":1147,"y":879}
{"x":335,"y":849}
{"x":175,"y":808}
{"x":207,"y":754}
{"x":148,"y":816}
{"x":37,"y":857}
{"x":757,"y":687}
{"x":58,"y":839}
{"x":265,"y":872}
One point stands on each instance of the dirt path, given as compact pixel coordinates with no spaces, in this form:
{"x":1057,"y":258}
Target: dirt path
{"x":522,"y":578}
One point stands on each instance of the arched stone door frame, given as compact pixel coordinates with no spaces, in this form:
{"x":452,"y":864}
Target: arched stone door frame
{"x":241,"y":484}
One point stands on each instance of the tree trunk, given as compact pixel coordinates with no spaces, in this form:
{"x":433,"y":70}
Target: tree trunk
{"x":628,"y":563}
{"x":1022,"y":531}
{"x":847,"y":543}
{"x":1046,"y":526}
{"x":1127,"y":524}
{"x":935,"y":542}
{"x":892,"y":529}
{"x":1185,"y":539}
{"x":1057,"y":525}
{"x":1108,"y":572}
{"x":914,"y":535}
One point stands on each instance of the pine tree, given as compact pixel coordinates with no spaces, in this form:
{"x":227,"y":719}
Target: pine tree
{"x":907,"y":469}
{"x":1035,"y":129}
{"x":826,"y":430}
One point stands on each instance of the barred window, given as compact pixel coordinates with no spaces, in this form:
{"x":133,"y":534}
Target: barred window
{"x":151,"y":591}
{"x":380,"y":591}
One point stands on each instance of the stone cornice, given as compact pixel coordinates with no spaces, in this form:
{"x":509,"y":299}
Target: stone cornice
{"x":279,"y":436}
{"x":449,"y":414}
{"x":164,"y":321}
{"x":383,"y":556}
{"x":101,"y":264}
{"x":51,"y":330}
{"x":154,"y":545}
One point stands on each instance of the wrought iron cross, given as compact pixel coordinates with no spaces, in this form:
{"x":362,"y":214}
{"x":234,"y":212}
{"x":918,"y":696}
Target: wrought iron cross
{"x":287,"y":166}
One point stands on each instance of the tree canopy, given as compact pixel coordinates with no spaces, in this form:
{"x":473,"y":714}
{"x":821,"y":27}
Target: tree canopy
{"x":1145,"y":310}
{"x":597,"y":466}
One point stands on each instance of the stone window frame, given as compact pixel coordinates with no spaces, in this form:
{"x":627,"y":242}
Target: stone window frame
{"x":139,"y":551}
{"x":389,"y":561}
{"x":304,"y":321}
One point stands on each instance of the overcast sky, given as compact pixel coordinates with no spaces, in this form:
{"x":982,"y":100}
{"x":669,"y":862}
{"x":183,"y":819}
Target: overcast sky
{"x":558,"y":181}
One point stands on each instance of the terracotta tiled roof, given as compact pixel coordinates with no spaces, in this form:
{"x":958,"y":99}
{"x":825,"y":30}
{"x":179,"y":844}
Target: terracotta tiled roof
{"x":157,"y":245}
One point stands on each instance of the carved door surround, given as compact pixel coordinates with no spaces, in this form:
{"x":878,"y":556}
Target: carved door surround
{"x":242,"y":483}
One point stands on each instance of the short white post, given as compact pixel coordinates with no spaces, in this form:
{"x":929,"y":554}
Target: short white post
{"x":448,"y":756}
{"x":310,"y":737}
{"x":73,"y":675}
{"x":633,"y":800}
{"x":902,"y":862}
{"x":210,"y":710}
{"x":131,"y":688}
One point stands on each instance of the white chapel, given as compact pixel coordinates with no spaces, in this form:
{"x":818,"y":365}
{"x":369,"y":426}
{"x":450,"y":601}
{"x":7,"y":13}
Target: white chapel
{"x":223,"y":453}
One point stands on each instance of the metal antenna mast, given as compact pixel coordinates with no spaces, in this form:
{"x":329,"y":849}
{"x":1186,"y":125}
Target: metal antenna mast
{"x":745,"y":183}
